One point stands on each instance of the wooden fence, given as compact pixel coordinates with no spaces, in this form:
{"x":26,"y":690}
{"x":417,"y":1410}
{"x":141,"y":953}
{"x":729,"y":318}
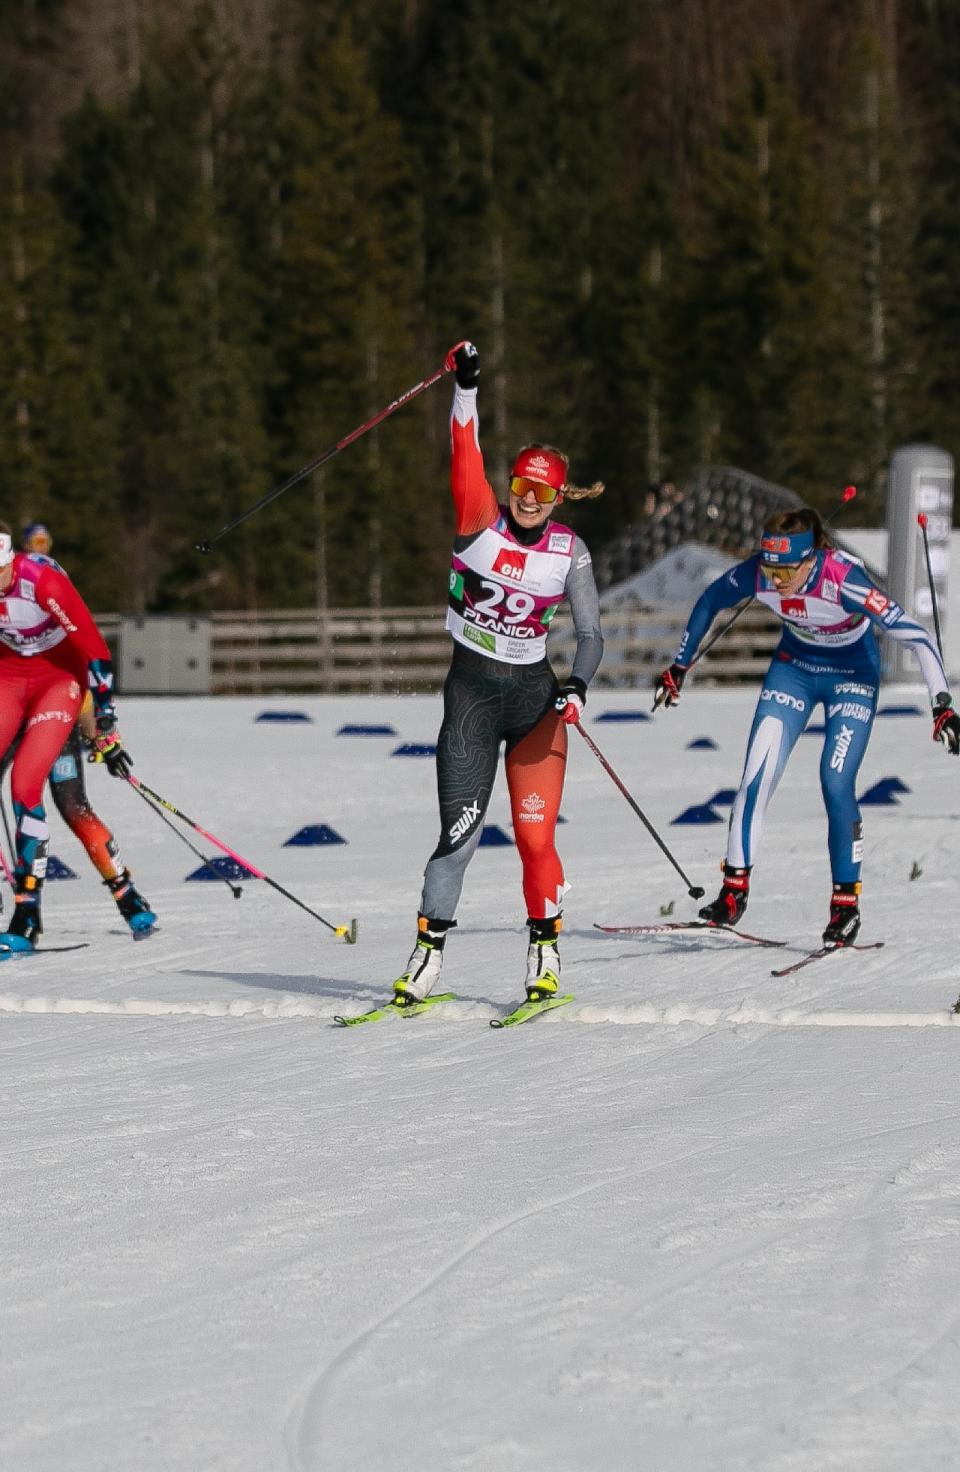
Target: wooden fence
{"x":392,"y":650}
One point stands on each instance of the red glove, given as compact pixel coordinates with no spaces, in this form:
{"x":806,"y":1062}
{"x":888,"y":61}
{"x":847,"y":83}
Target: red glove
{"x":946,"y":724}
{"x":570,"y":700}
{"x":667,"y":686}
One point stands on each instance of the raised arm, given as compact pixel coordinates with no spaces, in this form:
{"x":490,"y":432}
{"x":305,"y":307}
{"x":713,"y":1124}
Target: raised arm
{"x":474,"y":501}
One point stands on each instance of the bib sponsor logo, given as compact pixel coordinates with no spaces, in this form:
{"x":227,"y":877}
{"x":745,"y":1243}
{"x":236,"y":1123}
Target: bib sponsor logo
{"x":782,"y":698}
{"x":4,"y":613}
{"x":64,"y":769}
{"x":876,"y":602}
{"x":561,"y":542}
{"x":476,"y":636}
{"x":840,"y":749}
{"x":28,"y":590}
{"x":830,"y":591}
{"x":533,"y":806}
{"x":511,"y":564}
{"x":465,"y":821}
{"x":794,"y":605}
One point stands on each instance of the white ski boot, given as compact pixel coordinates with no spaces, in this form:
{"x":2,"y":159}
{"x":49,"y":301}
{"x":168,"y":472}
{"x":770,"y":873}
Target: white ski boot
{"x":425,"y":964}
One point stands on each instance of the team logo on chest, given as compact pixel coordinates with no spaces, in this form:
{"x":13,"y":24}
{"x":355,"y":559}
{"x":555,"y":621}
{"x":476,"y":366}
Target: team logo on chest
{"x":510,"y":563}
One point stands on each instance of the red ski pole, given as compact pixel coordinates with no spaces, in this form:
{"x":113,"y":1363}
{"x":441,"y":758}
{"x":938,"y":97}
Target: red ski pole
{"x":348,"y":439}
{"x":345,"y":932}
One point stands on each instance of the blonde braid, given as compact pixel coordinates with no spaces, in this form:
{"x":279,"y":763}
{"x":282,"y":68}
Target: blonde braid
{"x":583,"y":493}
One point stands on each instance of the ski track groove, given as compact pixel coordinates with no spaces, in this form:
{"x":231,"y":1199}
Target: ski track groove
{"x":302,"y":1432}
{"x":637,"y":1014}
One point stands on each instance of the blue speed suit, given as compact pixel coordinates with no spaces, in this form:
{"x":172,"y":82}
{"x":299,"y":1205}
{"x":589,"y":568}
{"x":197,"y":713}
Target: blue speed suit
{"x":827,"y":656}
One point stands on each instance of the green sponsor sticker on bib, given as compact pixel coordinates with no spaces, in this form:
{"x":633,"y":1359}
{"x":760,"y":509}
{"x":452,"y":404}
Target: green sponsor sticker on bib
{"x":456,"y":584}
{"x":477,"y":636}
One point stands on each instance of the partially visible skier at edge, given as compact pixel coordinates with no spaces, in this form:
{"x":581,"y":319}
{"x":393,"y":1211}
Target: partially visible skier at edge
{"x":827,"y":655}
{"x":512,"y":567}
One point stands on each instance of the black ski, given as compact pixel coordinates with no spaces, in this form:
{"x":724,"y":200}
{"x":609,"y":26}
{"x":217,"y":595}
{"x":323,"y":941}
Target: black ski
{"x":7,"y":953}
{"x":818,"y":955}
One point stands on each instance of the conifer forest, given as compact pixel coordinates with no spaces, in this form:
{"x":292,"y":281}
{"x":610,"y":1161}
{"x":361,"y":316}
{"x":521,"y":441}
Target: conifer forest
{"x":681,"y":232}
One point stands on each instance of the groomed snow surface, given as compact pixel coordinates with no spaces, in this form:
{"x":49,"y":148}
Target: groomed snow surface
{"x":701,"y":1220}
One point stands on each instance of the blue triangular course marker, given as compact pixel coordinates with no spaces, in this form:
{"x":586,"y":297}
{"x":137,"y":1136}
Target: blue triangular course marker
{"x":415,"y":748}
{"x":493,"y":836}
{"x":702,"y":743}
{"x":883,"y":793}
{"x":699,"y":813}
{"x":222,"y":867}
{"x":620,"y":715}
{"x":561,"y":818}
{"x":723,"y":798}
{"x":283,"y":715}
{"x":900,"y":710}
{"x":367,"y":731}
{"x":315,"y":833}
{"x":57,"y":869}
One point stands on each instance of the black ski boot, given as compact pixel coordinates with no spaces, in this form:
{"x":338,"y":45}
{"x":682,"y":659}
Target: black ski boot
{"x":730,"y":904}
{"x":844,"y":926}
{"x":131,"y":904}
{"x":25,"y":926}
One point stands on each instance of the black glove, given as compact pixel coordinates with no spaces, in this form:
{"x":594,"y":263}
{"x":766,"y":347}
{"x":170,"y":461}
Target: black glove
{"x":946,"y":723}
{"x":108,"y":748}
{"x":464,"y":360}
{"x":667,"y":687}
{"x":570,"y":700}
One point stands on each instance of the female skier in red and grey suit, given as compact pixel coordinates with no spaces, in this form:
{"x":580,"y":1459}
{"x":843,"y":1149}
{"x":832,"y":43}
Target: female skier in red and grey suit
{"x":50,"y":650}
{"x":511,"y":569}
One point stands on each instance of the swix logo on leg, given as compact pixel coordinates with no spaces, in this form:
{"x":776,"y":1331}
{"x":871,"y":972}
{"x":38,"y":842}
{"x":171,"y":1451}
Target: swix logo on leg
{"x":510,"y":563}
{"x":466,"y":820}
{"x":841,"y":747}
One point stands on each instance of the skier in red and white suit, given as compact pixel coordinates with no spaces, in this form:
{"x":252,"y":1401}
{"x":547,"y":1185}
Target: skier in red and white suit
{"x":50,"y":651}
{"x":511,"y":569}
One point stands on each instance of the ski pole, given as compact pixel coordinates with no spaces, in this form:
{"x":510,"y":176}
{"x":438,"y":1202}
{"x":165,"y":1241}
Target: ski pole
{"x":848,"y":495}
{"x":304,"y":471}
{"x":693,"y":890}
{"x":8,"y":872}
{"x":346,"y":932}
{"x":922,"y":520}
{"x":235,"y":889}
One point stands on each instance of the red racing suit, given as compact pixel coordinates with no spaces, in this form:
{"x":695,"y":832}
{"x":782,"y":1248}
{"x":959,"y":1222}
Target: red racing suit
{"x":50,"y":651}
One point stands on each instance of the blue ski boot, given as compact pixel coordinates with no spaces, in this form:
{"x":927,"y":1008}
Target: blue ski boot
{"x":132,"y":905}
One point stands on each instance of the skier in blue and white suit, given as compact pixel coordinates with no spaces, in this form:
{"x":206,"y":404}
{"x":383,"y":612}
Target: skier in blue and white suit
{"x":827,"y":656}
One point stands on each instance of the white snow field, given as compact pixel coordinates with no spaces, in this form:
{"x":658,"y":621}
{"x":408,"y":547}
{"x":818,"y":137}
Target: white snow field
{"x":700,"y":1220}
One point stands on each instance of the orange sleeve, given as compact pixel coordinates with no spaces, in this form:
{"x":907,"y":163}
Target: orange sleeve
{"x":473,"y":499}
